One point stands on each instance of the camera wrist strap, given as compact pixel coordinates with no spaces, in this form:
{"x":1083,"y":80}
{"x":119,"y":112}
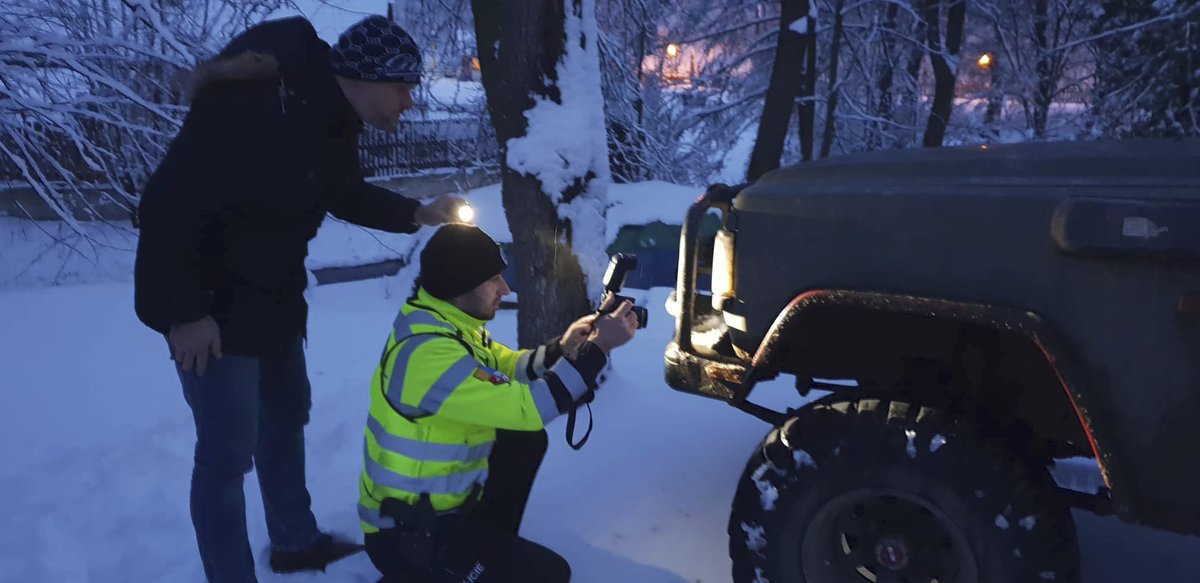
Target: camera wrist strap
{"x":571,"y":428}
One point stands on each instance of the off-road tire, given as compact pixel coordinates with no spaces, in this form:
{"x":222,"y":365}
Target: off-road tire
{"x":851,"y":491}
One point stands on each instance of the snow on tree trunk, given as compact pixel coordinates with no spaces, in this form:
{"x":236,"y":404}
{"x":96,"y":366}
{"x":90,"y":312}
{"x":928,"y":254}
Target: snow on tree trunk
{"x":565,"y":143}
{"x":540,"y":63}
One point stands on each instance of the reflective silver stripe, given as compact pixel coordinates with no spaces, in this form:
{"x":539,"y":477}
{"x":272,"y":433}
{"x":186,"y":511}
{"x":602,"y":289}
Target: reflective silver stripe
{"x":399,"y":370}
{"x":539,"y":362}
{"x":445,"y":384}
{"x":522,"y":368}
{"x":403,"y":324}
{"x":451,"y":484}
{"x":544,"y":399}
{"x":424,"y":451}
{"x":570,"y":377}
{"x":374,"y":518}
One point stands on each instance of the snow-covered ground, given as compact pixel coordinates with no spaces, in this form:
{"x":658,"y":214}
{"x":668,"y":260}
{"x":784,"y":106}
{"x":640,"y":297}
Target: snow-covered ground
{"x":97,"y":447}
{"x":97,"y":440}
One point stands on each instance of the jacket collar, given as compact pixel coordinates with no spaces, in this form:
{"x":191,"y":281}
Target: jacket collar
{"x":447,"y":311}
{"x":342,"y":118}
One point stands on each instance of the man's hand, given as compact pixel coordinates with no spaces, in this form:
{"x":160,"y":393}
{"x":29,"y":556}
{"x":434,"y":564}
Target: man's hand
{"x":615,"y":329}
{"x":443,"y":209}
{"x":579,"y":330}
{"x":576,"y":334}
{"x":192,"y":343}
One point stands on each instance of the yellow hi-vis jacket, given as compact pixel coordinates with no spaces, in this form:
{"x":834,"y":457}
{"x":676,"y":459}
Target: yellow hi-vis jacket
{"x":441,"y":390}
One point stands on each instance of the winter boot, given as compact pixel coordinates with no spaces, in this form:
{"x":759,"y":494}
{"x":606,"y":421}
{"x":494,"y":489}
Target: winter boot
{"x":328,"y":549}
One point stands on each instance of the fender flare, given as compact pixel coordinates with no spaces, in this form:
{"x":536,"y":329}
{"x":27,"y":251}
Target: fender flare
{"x":1025,"y":323}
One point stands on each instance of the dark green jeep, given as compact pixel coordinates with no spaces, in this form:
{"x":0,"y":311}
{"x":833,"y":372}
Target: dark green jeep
{"x":1001,"y":311}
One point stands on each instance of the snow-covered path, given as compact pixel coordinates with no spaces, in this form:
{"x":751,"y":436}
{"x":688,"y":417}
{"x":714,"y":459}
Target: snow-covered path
{"x":96,"y":442}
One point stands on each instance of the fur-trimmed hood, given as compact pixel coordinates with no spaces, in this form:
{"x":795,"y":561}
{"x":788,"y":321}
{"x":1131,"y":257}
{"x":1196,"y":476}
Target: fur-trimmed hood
{"x":275,"y":48}
{"x":241,"y":67}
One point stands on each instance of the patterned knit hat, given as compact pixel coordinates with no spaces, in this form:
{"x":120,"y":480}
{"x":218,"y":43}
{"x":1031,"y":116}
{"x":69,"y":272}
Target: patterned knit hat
{"x":377,"y":49}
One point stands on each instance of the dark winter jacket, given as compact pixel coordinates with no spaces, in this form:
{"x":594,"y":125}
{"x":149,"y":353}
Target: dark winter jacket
{"x":270,"y":145}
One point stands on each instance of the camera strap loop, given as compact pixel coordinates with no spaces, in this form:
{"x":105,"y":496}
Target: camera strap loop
{"x":571,"y":425}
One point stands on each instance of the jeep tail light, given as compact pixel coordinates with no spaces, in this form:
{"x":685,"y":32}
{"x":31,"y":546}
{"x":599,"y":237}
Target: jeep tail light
{"x":722,"y":269}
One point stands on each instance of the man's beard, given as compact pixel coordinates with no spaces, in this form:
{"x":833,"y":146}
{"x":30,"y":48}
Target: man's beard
{"x":491,"y":315}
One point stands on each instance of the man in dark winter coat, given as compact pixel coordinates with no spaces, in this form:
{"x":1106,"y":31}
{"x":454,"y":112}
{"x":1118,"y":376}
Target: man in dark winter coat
{"x":268,"y":148}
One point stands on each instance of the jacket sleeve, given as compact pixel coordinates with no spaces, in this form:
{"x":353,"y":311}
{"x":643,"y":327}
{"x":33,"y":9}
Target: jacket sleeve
{"x":365,"y":204}
{"x":376,"y":208}
{"x":178,"y":214}
{"x":528,"y":365}
{"x":450,"y":384}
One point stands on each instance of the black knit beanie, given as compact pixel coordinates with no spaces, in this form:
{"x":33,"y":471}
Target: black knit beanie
{"x":376,"y":49}
{"x":457,"y":259}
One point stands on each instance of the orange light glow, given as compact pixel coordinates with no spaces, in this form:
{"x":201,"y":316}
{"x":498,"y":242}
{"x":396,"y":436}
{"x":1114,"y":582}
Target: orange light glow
{"x":672,"y":50}
{"x":985,"y":60}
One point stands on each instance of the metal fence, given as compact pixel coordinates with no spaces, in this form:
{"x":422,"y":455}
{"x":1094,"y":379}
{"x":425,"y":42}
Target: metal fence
{"x":419,"y":148}
{"x":461,"y":141}
{"x":423,"y":145}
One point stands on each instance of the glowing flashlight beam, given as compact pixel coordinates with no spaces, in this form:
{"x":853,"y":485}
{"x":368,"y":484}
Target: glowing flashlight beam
{"x":466,"y":214}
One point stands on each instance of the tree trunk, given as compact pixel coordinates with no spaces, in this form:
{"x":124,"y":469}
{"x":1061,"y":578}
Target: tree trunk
{"x":1047,"y":81}
{"x":519,"y":46}
{"x":831,"y":107}
{"x":807,"y":106}
{"x":910,"y":102}
{"x":944,"y":59}
{"x":995,"y":93}
{"x":781,"y":92}
{"x":886,"y":75}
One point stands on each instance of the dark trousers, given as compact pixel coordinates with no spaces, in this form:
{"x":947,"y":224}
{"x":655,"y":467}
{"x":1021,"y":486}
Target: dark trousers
{"x":484,"y":547}
{"x":249,"y":411}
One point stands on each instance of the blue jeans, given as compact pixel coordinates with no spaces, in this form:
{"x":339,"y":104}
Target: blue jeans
{"x":248,"y":411}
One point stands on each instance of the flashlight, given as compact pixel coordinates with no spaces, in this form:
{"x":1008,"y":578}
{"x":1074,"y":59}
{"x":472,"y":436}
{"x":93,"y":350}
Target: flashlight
{"x":465,"y":213}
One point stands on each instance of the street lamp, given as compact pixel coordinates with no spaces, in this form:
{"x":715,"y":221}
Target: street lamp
{"x":672,"y":50}
{"x":985,"y":60}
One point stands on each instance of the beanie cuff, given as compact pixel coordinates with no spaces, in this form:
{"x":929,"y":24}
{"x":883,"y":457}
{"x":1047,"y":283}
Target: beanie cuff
{"x":358,"y":75}
{"x":452,"y":285}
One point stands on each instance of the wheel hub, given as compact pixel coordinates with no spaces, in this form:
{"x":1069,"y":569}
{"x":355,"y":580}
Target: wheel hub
{"x":891,"y":553}
{"x":879,"y":535}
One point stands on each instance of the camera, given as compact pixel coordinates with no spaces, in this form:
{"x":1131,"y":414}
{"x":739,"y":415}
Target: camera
{"x":614,"y":279}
